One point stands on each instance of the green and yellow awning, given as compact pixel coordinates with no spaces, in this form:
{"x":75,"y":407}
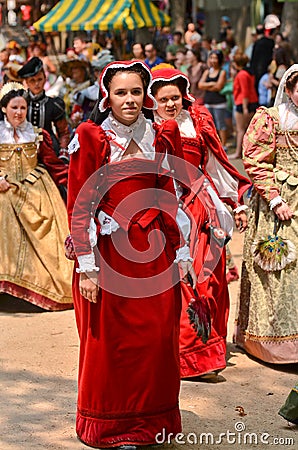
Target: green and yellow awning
{"x":71,"y":15}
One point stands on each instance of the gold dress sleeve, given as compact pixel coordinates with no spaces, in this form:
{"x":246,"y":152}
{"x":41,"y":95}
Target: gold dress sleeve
{"x":259,"y":151}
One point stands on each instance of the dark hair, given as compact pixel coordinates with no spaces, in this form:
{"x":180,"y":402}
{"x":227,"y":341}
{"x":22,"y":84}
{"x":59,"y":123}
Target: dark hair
{"x":281,"y":57}
{"x":291,"y":82}
{"x":136,"y":68}
{"x":13,"y":94}
{"x":196,"y":52}
{"x":219,"y":55}
{"x":181,"y":84}
{"x":182,"y":50}
{"x":177,"y":33}
{"x":138,"y":43}
{"x":241,"y":59}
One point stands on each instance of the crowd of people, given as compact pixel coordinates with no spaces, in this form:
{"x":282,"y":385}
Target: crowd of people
{"x":118,"y":191}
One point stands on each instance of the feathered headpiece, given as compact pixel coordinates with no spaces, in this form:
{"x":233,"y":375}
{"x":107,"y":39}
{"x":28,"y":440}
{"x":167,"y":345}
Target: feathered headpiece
{"x":13,"y":86}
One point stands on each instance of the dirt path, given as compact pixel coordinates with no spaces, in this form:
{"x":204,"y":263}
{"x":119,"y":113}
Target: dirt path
{"x":38,"y":397}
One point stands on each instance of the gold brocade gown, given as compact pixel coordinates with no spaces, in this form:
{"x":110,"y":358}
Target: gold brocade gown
{"x":33,"y":223}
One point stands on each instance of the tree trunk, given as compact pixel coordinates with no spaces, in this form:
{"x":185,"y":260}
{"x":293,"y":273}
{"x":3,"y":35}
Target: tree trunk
{"x":289,"y":22}
{"x":177,"y":10}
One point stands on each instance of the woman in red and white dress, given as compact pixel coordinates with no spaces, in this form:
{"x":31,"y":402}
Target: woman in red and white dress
{"x":122,"y":211}
{"x":202,"y":149}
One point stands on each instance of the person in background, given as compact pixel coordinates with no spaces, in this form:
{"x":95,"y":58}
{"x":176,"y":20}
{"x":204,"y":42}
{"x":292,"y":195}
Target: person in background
{"x":4,"y":59}
{"x":79,"y":45}
{"x":226,"y":30}
{"x":212,"y":82}
{"x":171,"y":49}
{"x":195,"y":71}
{"x":264,"y":90}
{"x":33,"y":266}
{"x":138,"y":51}
{"x":84,"y":101}
{"x":262,"y":51}
{"x":161,"y":40}
{"x":191,"y":31}
{"x":278,"y":66}
{"x":206,"y":47}
{"x":267,"y":322}
{"x":151,"y":56}
{"x":180,"y":61}
{"x":127,"y":312}
{"x":245,"y":98}
{"x":77,"y":76}
{"x":49,"y":67}
{"x":45,"y":112}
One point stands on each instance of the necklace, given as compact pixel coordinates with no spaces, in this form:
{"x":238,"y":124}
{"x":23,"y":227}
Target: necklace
{"x":293,"y":106}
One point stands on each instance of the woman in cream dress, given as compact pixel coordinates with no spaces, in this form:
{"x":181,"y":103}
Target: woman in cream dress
{"x":267,"y":323}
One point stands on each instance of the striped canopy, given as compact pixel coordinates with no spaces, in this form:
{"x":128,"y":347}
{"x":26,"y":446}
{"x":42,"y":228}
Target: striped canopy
{"x":75,"y":15}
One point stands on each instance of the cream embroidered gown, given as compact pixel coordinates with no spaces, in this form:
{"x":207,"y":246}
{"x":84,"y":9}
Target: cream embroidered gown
{"x":267,"y":323}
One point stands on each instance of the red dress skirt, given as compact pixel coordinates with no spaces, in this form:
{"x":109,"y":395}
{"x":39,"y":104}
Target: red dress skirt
{"x":197,"y":358}
{"x":129,"y":377}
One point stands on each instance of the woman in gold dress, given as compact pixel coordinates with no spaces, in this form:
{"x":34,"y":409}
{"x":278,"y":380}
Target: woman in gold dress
{"x":267,"y":324}
{"x":33,"y":217}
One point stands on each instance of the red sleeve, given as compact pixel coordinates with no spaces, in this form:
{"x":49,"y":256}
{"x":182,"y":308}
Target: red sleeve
{"x":205,"y":127}
{"x":84,"y":181}
{"x":47,"y":156}
{"x":168,"y":142}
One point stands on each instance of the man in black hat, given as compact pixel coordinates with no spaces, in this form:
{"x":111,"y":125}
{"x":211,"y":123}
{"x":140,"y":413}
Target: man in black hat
{"x":45,"y":112}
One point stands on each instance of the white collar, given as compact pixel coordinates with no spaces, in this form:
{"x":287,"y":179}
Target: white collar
{"x":184,"y":121}
{"x":141,"y":132}
{"x":25,"y":132}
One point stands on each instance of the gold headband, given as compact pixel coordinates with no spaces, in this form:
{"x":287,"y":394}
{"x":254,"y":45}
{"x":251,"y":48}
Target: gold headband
{"x":13,"y":86}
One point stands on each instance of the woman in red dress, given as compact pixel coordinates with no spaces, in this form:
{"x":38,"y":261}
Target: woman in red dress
{"x":122,"y":213}
{"x":202,"y":148}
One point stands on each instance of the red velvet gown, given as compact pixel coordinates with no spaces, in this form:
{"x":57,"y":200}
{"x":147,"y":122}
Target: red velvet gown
{"x":129,"y":377}
{"x":197,"y":358}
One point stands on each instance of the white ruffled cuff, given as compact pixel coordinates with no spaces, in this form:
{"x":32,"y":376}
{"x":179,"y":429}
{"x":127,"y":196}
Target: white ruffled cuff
{"x":183,"y":223}
{"x":182,"y":254}
{"x":275,"y":201}
{"x":87,"y":263}
{"x":240,"y":208}
{"x":108,"y":225}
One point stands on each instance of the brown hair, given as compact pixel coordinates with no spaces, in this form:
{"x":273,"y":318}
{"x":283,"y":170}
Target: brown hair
{"x":241,"y":59}
{"x":136,"y":68}
{"x":292,"y":81}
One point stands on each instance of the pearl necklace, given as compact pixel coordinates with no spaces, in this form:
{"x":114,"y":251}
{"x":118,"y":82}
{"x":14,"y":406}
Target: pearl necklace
{"x":292,"y":106}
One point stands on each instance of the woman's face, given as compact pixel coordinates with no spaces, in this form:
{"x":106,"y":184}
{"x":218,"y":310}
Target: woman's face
{"x":16,"y":111}
{"x":126,"y":95}
{"x":190,"y":58}
{"x":293,"y":95}
{"x":213,"y":60}
{"x":138,"y":51}
{"x":169,"y":102}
